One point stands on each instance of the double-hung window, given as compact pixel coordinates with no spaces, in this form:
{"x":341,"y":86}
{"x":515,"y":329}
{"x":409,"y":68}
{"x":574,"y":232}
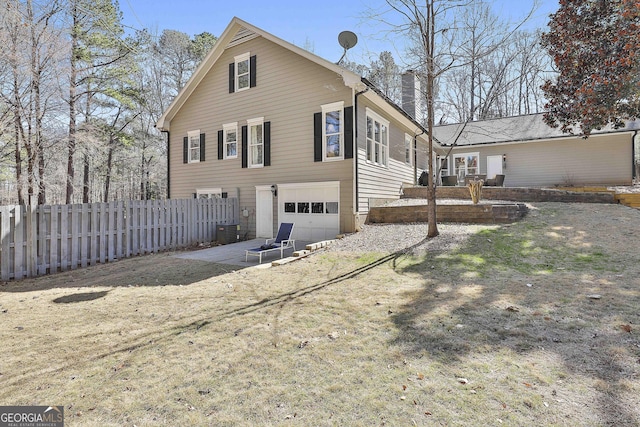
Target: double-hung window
{"x":333,"y":131}
{"x":193,"y":147}
{"x":377,"y":139}
{"x":243,"y":70}
{"x":256,"y":142}
{"x":230,"y":139}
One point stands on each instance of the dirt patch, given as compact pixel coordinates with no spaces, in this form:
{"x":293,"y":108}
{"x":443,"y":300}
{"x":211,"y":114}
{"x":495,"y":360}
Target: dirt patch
{"x":150,"y":270}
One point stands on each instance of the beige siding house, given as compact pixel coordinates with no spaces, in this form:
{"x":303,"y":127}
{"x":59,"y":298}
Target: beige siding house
{"x":531,"y":154}
{"x":295,"y":137}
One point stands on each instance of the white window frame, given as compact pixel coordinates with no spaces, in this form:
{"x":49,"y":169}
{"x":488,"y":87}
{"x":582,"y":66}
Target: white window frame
{"x":443,"y":160}
{"x":245,"y":57}
{"x":382,"y":146}
{"x":208,"y":193}
{"x":193,"y":145}
{"x":256,"y":143}
{"x":330,"y":108}
{"x":226,"y":129}
{"x":465,"y":156}
{"x":408,"y":149}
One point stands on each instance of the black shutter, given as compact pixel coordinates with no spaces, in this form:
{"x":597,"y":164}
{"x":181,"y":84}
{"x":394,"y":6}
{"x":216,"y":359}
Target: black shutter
{"x":195,"y":195}
{"x":244,"y":146}
{"x":232,"y":77}
{"x":220,"y":145}
{"x":252,"y":71}
{"x":202,"y":147}
{"x":185,"y":150}
{"x":267,"y":143}
{"x":317,"y":137}
{"x":348,"y":133}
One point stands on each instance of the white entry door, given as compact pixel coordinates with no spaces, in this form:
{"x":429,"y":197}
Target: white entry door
{"x":494,"y":166}
{"x":264,"y":212}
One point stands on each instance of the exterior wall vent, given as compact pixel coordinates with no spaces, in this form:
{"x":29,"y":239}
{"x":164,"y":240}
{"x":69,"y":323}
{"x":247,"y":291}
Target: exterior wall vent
{"x":243,"y":35}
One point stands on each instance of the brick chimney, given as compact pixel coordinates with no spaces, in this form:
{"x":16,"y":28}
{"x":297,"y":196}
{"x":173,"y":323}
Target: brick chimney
{"x":411,"y":93}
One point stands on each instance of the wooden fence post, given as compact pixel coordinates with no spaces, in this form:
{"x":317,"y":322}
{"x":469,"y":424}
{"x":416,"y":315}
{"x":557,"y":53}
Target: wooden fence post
{"x":32,"y":239}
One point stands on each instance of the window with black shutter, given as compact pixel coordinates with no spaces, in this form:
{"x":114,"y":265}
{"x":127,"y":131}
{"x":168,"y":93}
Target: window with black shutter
{"x":193,"y":147}
{"x":243,"y":73}
{"x":333,"y":133}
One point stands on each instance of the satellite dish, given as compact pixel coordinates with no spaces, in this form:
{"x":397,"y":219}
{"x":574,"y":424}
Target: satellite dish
{"x":347,"y":40}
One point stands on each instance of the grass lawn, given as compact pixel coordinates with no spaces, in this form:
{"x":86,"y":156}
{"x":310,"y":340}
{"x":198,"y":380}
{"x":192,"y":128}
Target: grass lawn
{"x":533,"y":323}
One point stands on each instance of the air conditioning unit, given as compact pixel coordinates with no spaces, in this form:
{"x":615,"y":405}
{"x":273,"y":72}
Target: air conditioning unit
{"x":227,"y":233}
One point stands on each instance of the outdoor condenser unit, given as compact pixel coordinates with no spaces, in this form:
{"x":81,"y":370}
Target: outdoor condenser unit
{"x":227,"y":233}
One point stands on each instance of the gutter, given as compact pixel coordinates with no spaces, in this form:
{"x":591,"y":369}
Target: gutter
{"x":415,"y":155}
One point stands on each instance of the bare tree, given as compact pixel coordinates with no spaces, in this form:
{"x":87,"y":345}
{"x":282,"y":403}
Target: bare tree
{"x":77,"y":47}
{"x":438,"y":45}
{"x":498,"y":70}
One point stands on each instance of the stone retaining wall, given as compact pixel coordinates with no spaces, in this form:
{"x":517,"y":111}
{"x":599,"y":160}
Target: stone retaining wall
{"x":516,"y":194}
{"x":472,"y":214}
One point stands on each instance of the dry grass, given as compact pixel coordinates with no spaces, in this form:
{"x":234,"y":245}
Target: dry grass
{"x":456,"y":338}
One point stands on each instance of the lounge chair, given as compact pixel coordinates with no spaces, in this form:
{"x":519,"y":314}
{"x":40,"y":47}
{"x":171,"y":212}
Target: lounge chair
{"x":450,"y":180}
{"x":282,"y":241}
{"x":498,"y":181}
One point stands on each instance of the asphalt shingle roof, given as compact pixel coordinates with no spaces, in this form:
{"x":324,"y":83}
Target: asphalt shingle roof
{"x":510,"y":129}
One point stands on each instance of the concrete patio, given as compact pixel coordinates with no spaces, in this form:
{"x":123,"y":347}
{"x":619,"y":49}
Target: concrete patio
{"x":234,"y":253}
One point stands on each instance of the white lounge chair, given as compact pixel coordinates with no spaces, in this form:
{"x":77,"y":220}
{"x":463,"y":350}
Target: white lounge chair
{"x":282,"y":241}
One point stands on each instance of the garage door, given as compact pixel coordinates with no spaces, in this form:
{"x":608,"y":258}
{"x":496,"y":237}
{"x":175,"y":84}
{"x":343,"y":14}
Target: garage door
{"x":313,"y":207}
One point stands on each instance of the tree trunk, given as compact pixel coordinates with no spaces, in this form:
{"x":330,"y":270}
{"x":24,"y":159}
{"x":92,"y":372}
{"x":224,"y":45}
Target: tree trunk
{"x":17,"y":122}
{"x":107,"y":179}
{"x":430,"y":45}
{"x":18,"y":156}
{"x":85,"y":179}
{"x":142,"y":178}
{"x":73,"y":76}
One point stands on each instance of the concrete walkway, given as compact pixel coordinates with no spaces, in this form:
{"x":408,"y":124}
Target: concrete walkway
{"x":233,"y":253}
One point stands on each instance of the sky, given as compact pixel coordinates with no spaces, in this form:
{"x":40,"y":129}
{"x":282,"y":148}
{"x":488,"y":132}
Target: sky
{"x":311,"y":24}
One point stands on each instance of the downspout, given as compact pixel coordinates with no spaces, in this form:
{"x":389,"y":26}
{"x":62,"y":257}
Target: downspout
{"x":634,"y":155}
{"x":415,"y":156}
{"x":168,"y":164}
{"x":356,"y":200}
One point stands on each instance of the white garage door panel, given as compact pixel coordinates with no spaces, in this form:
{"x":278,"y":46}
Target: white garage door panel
{"x":306,"y":206}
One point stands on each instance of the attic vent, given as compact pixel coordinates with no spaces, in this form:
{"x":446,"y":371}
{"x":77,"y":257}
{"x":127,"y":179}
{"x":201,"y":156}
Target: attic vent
{"x":242,"y":36}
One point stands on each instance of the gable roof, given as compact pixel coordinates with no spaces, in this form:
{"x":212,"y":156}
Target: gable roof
{"x":239,"y":31}
{"x":514,"y":129}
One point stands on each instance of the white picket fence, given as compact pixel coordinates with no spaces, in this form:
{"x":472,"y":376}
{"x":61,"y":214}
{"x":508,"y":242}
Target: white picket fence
{"x":42,"y":239}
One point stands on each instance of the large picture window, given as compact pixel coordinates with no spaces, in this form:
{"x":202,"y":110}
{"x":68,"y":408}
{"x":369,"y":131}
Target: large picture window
{"x":256,"y":142}
{"x":333,"y":131}
{"x":377,"y":139}
{"x":466,"y":164}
